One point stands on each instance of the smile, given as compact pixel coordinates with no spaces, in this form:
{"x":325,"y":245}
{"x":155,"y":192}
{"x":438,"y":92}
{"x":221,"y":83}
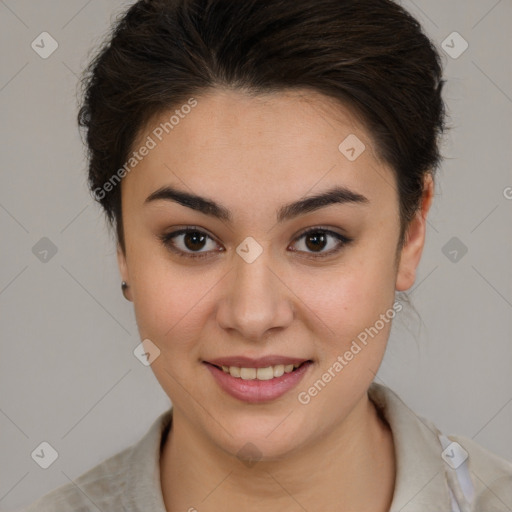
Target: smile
{"x":261,"y":384}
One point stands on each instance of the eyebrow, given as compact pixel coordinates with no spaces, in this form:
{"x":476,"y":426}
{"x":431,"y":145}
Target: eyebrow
{"x":335,"y":195}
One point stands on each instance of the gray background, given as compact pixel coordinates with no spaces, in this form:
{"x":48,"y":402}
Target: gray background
{"x":67,"y":372}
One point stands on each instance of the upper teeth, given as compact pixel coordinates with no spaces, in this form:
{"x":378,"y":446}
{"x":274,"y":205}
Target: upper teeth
{"x":260,"y":373}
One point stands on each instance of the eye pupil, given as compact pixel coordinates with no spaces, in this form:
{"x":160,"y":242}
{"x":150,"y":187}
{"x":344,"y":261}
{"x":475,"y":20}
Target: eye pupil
{"x":318,"y":239}
{"x":197,"y":240}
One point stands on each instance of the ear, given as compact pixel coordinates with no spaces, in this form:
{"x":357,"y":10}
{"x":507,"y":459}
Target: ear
{"x":123,"y":269}
{"x":410,"y":254}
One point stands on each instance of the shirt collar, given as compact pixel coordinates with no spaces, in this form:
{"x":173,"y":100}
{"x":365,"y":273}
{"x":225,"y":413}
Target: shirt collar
{"x":421,"y":482}
{"x":420,"y":477}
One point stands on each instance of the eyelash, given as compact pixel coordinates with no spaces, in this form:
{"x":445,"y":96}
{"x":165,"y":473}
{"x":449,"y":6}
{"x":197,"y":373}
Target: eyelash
{"x":166,"y":240}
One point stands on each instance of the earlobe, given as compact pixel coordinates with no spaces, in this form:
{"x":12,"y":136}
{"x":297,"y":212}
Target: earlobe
{"x":415,"y":239}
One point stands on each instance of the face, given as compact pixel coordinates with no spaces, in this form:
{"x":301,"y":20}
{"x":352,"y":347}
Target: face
{"x":268,"y":270}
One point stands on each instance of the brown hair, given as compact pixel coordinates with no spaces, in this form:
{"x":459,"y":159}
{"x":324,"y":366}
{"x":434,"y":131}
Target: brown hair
{"x":371,"y":55}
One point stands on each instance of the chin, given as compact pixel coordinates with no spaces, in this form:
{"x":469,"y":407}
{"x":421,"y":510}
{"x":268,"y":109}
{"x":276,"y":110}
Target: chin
{"x":263,"y":439}
{"x":252,"y":449}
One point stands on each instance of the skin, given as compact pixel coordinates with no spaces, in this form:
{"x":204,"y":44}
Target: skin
{"x":253,"y":155}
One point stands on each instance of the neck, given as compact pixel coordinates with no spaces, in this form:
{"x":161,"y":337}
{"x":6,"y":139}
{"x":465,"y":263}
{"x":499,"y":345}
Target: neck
{"x":334,"y":473}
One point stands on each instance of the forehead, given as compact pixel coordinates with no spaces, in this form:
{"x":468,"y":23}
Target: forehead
{"x":259,"y":146}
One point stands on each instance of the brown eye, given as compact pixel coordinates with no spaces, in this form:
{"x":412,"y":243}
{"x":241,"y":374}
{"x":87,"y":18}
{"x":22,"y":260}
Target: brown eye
{"x":315,"y":240}
{"x":190,"y":243}
{"x":194,"y":240}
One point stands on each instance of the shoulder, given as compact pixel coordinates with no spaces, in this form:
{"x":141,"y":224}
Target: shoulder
{"x":455,"y":471}
{"x":128,"y":480}
{"x":491,"y":476}
{"x":99,"y":488}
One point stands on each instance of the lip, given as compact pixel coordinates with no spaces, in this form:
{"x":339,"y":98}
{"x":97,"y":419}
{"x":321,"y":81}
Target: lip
{"x":257,"y":391}
{"x":258,"y":362}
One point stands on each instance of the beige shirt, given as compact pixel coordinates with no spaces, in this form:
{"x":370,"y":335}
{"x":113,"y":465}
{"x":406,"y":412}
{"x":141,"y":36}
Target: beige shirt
{"x":432,"y":475}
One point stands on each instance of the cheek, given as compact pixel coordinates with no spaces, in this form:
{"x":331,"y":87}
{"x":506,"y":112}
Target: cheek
{"x":345,"y":311}
{"x":167,"y":298}
{"x":352,"y":296}
{"x":170,"y":311}
{"x":356,"y":311}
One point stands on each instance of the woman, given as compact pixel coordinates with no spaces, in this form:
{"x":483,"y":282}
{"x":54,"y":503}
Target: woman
{"x":268,"y":168}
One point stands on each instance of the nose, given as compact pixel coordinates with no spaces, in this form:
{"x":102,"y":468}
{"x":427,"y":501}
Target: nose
{"x":256,"y":300}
